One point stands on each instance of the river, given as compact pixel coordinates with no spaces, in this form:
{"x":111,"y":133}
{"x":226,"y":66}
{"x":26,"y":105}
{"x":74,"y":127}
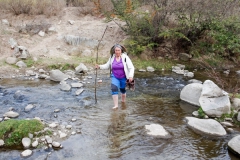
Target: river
{"x":114,"y":134}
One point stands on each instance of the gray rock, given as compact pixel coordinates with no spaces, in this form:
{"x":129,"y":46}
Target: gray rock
{"x":238,"y":117}
{"x":210,"y":89}
{"x":56,"y":144}
{"x":208,"y":127}
{"x":11,"y":60}
{"x":157,"y":130}
{"x":194,"y":81}
{"x":65,"y":87}
{"x":26,"y":153}
{"x":35,"y":144}
{"x":21,"y":64}
{"x":11,"y":114}
{"x":57,"y":75}
{"x":195,"y":114}
{"x":150,"y":69}
{"x":233,"y":145}
{"x":26,"y":142}
{"x":81,"y":68}
{"x":79,"y":91}
{"x":76,"y":85}
{"x":29,"y":107}
{"x":191,"y":93}
{"x":236,"y":103}
{"x":227,"y":124}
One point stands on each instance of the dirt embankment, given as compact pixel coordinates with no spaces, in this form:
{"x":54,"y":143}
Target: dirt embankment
{"x":24,"y":29}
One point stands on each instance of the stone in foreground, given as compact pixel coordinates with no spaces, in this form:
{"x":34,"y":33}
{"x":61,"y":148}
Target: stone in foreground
{"x":208,"y":127}
{"x":233,"y":145}
{"x":157,"y":130}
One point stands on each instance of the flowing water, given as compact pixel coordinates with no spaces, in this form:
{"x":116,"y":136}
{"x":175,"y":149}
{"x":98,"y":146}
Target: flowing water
{"x":114,"y":134}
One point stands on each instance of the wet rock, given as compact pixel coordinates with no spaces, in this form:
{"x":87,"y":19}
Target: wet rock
{"x":11,"y":114}
{"x":81,"y":68}
{"x":56,"y":144}
{"x":57,"y":110}
{"x":76,"y":85}
{"x":79,"y":91}
{"x":233,"y":145}
{"x":26,"y":142}
{"x":57,"y":76}
{"x":29,"y":107}
{"x":191,"y":93}
{"x":73,"y":133}
{"x":26,"y":153}
{"x":18,"y":95}
{"x":62,"y":134}
{"x":74,"y":120}
{"x":53,"y":125}
{"x":69,"y":127}
{"x":65,"y":87}
{"x":157,"y":130}
{"x":206,"y":126}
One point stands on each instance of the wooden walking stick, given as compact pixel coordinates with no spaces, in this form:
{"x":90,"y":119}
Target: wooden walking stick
{"x":97,"y":63}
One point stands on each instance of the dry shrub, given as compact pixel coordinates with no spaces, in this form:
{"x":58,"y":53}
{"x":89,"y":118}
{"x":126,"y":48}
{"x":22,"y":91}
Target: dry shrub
{"x":32,"y":7}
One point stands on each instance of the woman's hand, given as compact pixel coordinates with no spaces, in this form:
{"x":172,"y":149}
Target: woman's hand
{"x":130,"y":79}
{"x":97,"y":66}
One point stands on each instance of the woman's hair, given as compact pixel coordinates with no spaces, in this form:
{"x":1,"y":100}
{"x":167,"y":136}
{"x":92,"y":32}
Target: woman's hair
{"x":118,"y":46}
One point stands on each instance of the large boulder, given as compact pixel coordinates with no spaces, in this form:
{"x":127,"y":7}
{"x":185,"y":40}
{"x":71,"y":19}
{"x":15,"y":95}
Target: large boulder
{"x":191,"y":93}
{"x":208,"y":127}
{"x":233,"y":145}
{"x":213,"y":100}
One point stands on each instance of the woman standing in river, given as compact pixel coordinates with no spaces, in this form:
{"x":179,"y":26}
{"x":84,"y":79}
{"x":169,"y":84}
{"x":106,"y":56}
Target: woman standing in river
{"x":122,"y":70}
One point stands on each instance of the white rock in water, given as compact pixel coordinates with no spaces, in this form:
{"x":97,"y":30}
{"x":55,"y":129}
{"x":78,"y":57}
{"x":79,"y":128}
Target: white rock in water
{"x":26,"y":153}
{"x":69,"y":127}
{"x":29,"y":107}
{"x":157,"y":130}
{"x":79,"y":91}
{"x":11,"y":114}
{"x":53,"y":125}
{"x":56,"y":144}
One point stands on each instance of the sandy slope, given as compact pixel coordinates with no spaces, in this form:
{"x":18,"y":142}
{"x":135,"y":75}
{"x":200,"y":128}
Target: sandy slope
{"x":53,"y":44}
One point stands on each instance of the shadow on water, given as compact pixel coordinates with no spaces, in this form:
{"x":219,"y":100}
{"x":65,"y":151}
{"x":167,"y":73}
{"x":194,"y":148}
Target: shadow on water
{"x":115,"y":134}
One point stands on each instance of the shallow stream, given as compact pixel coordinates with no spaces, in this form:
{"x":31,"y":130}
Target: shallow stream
{"x":114,"y":134}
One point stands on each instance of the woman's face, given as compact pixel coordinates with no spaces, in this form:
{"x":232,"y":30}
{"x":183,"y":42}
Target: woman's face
{"x":118,"y":51}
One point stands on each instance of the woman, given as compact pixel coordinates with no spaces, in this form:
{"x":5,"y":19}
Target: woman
{"x":121,"y":70}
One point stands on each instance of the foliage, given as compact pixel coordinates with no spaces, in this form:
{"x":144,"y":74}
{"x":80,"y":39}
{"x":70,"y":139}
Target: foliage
{"x":201,"y":113}
{"x":156,"y":64}
{"x":12,"y":131}
{"x":29,"y":62}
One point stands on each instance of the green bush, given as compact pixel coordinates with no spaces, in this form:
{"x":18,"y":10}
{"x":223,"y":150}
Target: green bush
{"x":12,"y":131}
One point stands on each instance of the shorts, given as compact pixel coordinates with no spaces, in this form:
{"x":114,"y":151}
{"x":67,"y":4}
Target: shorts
{"x":118,"y":83}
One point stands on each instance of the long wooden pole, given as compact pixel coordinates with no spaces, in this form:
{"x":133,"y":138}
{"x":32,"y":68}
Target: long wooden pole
{"x":97,"y":63}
